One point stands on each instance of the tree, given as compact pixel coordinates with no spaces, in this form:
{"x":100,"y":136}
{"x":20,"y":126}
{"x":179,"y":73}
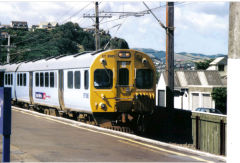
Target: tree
{"x":203,"y":65}
{"x":219,"y":95}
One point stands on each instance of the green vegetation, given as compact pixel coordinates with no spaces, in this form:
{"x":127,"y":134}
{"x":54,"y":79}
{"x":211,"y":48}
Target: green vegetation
{"x":66,"y":39}
{"x":203,"y":65}
{"x":219,"y":95}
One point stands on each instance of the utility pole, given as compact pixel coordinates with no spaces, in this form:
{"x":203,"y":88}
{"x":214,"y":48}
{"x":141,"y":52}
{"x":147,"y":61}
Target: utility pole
{"x":8,"y":46}
{"x":8,"y":49}
{"x":97,"y":38}
{"x":170,"y":54}
{"x":233,"y":87}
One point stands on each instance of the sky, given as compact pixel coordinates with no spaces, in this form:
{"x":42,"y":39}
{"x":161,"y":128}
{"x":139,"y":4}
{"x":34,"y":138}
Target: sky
{"x":200,"y":27}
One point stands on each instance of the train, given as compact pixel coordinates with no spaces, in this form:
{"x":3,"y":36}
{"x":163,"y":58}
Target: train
{"x":115,"y":87}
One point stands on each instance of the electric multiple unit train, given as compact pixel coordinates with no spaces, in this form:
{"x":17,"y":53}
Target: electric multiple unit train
{"x":103,"y":86}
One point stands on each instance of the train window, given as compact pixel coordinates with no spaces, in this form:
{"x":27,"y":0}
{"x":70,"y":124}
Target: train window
{"x":86,"y":79}
{"x":103,"y":79}
{"x":123,"y":76}
{"x":51,"y":79}
{"x":18,"y":79}
{"x":144,"y":79}
{"x":41,"y":79}
{"x":70,"y":79}
{"x":11,"y":79}
{"x":77,"y":79}
{"x":37,"y":79}
{"x":6,"y":79}
{"x":46,"y":79}
{"x":21,"y":79}
{"x":24,"y":79}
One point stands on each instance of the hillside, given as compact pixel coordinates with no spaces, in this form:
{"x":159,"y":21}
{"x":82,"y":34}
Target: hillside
{"x":181,"y":57}
{"x":66,"y":39}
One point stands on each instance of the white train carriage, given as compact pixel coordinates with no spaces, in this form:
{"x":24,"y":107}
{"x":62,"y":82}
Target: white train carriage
{"x":116,"y":85}
{"x":8,"y":76}
{"x":61,"y":82}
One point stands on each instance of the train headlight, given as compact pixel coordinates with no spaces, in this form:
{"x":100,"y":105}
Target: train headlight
{"x":103,"y":106}
{"x":124,"y":54}
{"x":144,"y":60}
{"x":103,"y":61}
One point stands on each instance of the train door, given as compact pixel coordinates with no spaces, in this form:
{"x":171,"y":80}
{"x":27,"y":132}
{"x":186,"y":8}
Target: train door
{"x":1,"y":79}
{"x":31,"y":87}
{"x":60,"y":89}
{"x":125,"y":80}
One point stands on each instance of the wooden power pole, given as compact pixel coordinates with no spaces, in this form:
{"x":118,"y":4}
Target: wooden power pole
{"x":97,"y":38}
{"x":170,"y":54}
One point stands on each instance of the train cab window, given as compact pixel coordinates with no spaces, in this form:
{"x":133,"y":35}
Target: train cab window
{"x":86,"y":79}
{"x":144,"y":79}
{"x":77,"y":79}
{"x":9,"y":80}
{"x":51,"y":79}
{"x":46,"y":79}
{"x":41,"y":79}
{"x":18,"y":79}
{"x":37,"y":79}
{"x":21,"y":79}
{"x":70,"y":79}
{"x":123,"y":76}
{"x":24,"y":79}
{"x":103,"y":79}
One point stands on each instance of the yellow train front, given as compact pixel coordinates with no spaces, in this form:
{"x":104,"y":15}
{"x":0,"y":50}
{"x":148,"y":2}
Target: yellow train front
{"x":122,"y":88}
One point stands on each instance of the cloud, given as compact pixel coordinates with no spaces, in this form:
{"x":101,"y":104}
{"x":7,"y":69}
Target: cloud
{"x":199,"y":26}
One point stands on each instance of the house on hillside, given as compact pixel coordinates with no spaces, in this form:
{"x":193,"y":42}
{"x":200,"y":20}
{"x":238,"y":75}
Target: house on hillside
{"x":192,"y":89}
{"x":47,"y":25}
{"x":219,"y":64}
{"x":19,"y":25}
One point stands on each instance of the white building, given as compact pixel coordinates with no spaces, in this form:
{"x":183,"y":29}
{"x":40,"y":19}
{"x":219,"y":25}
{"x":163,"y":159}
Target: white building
{"x":193,"y":89}
{"x":219,"y":64}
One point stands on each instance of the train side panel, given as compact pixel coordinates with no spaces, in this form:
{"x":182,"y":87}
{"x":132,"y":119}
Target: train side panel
{"x":45,"y":88}
{"x":10,"y":81}
{"x":76,"y":90}
{"x":22,"y":87}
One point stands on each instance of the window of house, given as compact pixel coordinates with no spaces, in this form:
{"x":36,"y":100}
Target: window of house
{"x":220,"y":67}
{"x":37,"y":79}
{"x":77,"y":79}
{"x":86,"y":79}
{"x":52,"y":79}
{"x":41,"y":79}
{"x":46,"y":79}
{"x":70,"y":79}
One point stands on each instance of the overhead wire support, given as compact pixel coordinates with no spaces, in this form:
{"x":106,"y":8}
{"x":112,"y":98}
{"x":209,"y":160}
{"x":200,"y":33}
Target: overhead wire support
{"x":161,"y":24}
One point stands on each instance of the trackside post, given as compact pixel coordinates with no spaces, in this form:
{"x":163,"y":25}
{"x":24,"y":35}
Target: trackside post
{"x":5,"y":121}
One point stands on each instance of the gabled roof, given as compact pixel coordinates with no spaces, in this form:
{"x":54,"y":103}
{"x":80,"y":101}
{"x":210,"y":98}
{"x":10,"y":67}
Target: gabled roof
{"x":187,"y":78}
{"x":219,"y":60}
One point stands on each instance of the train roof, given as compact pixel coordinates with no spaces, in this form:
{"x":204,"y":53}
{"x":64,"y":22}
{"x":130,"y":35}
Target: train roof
{"x":79,"y":60}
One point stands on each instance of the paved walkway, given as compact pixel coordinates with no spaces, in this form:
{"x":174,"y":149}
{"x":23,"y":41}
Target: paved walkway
{"x":35,"y":138}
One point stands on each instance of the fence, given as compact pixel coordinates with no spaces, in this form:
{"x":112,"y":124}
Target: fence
{"x":209,"y":132}
{"x":205,"y":132}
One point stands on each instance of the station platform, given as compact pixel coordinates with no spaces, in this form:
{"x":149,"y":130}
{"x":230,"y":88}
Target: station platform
{"x":41,"y":138}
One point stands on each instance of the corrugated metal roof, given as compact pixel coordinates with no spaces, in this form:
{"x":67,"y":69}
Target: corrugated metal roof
{"x":186,"y":78}
{"x":213,"y":78}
